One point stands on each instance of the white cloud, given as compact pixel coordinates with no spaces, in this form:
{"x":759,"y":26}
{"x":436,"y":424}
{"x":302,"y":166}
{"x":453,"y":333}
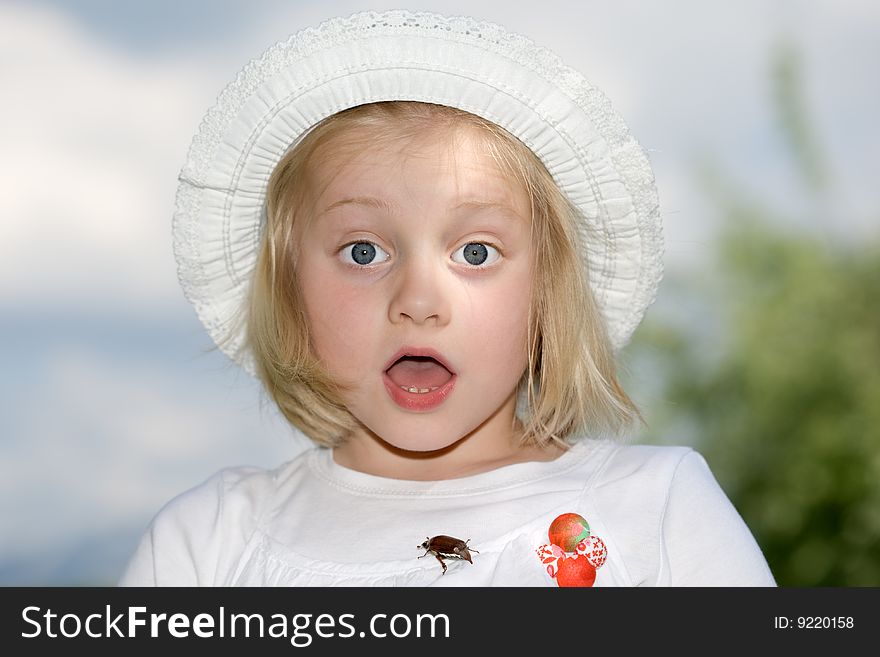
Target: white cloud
{"x":92,"y":140}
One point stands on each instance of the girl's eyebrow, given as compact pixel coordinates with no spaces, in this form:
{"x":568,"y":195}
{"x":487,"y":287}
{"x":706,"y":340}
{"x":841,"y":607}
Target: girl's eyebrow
{"x":382,"y":204}
{"x":369,"y":201}
{"x":489,"y":205}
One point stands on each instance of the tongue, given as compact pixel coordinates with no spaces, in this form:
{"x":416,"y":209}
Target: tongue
{"x":421,"y":372}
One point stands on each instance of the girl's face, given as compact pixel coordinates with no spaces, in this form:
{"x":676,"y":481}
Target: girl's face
{"x":419,"y":247}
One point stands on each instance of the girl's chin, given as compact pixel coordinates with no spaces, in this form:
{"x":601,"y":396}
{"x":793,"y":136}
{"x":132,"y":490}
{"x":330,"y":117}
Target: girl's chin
{"x":418,"y":433}
{"x":420,"y":447}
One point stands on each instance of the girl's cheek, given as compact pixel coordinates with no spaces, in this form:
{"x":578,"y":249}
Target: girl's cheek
{"x":334,"y":308}
{"x":343,"y":310}
{"x":334,"y":315}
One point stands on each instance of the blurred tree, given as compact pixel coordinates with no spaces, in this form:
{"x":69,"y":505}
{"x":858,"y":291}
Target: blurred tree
{"x":794,"y":124}
{"x":776,"y":378}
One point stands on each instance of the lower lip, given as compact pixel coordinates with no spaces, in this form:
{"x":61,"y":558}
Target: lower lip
{"x":419,"y":402}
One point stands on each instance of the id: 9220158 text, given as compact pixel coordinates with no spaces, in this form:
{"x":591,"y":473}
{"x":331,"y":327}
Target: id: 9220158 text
{"x":813,"y":622}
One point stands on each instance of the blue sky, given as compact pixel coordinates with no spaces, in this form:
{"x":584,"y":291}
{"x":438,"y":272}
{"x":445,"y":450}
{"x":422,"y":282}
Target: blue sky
{"x":111,"y":401}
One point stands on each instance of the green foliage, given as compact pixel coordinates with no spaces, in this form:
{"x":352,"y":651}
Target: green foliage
{"x":790,"y":411}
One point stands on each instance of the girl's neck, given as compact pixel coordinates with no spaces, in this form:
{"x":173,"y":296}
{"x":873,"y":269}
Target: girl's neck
{"x":473,"y":454}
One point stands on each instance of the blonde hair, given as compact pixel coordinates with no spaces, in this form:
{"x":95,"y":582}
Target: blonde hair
{"x":569,"y":386}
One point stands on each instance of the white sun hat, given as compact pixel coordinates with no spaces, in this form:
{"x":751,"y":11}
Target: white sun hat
{"x":397,"y":55}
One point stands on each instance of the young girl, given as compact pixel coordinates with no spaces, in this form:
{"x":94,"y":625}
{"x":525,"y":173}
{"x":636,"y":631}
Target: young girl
{"x":427,"y":237}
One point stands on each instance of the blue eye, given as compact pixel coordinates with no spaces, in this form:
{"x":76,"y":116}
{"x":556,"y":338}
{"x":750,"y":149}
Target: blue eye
{"x":476,"y":254}
{"x":363,"y":253}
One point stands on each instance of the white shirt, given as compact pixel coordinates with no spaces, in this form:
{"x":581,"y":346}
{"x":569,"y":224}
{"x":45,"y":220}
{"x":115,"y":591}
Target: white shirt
{"x":662,"y":516}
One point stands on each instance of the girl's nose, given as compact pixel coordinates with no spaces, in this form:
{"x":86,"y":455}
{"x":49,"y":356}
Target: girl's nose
{"x":419,"y":295}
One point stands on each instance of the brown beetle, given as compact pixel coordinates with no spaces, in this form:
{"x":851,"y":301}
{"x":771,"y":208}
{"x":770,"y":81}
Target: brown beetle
{"x":447,"y":546}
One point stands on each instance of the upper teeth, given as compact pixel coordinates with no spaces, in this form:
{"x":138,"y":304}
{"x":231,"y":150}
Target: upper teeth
{"x":420,"y":390}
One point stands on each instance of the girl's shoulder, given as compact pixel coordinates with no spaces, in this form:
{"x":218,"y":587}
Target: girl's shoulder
{"x":644,"y":466}
{"x":197,"y":531}
{"x":649,"y":478}
{"x":245,"y":489}
{"x":648,"y":462}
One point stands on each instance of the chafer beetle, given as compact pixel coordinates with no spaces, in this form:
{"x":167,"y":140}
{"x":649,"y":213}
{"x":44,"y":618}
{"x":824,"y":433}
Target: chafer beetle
{"x":448,"y":547}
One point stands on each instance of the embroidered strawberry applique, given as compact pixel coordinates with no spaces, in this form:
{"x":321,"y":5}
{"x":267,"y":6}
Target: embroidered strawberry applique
{"x":573,"y":553}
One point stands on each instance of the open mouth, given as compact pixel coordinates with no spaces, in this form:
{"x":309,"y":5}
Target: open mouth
{"x":418,"y":374}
